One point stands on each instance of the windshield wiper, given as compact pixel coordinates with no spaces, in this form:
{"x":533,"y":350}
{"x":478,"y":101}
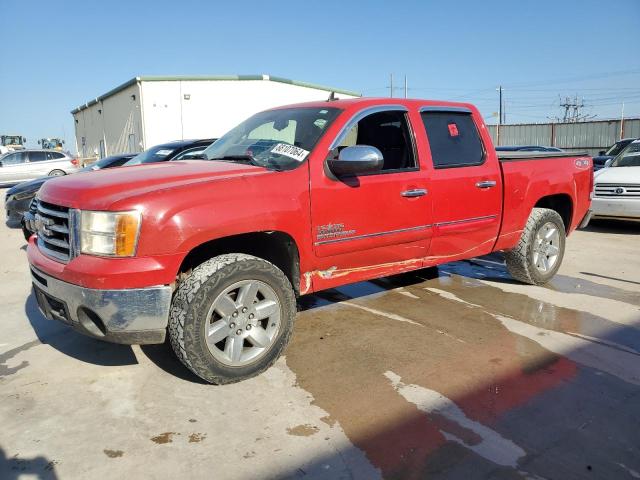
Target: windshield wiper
{"x":238,"y":158}
{"x":248,"y":159}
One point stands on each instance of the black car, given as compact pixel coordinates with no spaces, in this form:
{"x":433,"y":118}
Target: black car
{"x":18,"y":197}
{"x":600,"y":161}
{"x":177,"y":150}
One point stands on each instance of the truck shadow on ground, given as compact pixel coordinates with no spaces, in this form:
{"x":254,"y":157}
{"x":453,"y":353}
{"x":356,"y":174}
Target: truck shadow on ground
{"x":16,"y":467}
{"x":162,"y":356}
{"x":617,"y":227}
{"x":71,"y":343}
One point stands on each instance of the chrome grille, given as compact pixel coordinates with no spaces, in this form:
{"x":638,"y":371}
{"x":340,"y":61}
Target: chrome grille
{"x":613,"y":190}
{"x":53,"y":223}
{"x":33,"y":206}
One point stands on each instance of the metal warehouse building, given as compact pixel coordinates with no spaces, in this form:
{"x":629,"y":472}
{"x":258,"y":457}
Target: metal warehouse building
{"x":146,"y":111}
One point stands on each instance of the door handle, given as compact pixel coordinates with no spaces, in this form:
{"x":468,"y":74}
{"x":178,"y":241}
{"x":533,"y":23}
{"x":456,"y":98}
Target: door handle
{"x":416,"y":192}
{"x":486,"y":184}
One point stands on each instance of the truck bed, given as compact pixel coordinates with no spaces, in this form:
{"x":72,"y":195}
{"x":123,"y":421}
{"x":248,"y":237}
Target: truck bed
{"x":526,"y":176}
{"x":515,"y":156}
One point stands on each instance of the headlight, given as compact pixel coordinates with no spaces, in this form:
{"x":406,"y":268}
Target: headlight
{"x":113,"y":234}
{"x":23,"y":195}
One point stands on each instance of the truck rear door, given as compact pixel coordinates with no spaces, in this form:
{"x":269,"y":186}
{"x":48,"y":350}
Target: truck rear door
{"x":465,"y":184}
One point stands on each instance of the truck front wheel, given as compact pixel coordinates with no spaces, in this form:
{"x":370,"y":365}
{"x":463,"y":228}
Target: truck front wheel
{"x":538,"y":255}
{"x":231,"y":317}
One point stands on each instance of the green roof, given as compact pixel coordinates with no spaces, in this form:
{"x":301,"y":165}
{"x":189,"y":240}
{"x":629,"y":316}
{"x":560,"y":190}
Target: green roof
{"x":174,"y":78}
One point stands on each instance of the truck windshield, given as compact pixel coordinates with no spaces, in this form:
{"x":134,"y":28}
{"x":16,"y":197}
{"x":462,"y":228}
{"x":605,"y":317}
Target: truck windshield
{"x":278,"y":139}
{"x":629,"y":157}
{"x":12,"y":140}
{"x":616,"y":148}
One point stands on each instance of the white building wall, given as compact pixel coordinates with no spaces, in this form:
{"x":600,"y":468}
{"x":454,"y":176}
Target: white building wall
{"x":121,"y":116}
{"x":111,"y":121}
{"x":190,"y":109}
{"x":150,"y":112}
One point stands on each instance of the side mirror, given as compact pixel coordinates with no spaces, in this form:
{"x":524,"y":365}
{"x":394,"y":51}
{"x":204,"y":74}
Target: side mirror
{"x":356,"y":160}
{"x":607,"y":164}
{"x":601,"y":153}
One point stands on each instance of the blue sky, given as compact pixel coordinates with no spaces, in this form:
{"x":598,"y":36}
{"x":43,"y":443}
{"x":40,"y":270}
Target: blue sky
{"x":58,"y":55}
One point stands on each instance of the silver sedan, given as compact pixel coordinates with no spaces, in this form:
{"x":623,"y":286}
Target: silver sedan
{"x":16,"y":167}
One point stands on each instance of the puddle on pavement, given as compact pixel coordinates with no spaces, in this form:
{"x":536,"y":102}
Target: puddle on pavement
{"x":113,"y":453}
{"x":305,"y":430}
{"x":492,"y":268}
{"x":340,"y":355}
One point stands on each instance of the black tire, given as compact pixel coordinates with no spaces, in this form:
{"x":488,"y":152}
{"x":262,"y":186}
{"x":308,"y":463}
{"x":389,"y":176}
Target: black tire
{"x":192,"y":302}
{"x":520,"y":260}
{"x":56,"y":173}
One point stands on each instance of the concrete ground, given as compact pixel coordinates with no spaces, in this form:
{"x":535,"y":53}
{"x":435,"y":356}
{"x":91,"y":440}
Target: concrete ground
{"x":454,"y":373}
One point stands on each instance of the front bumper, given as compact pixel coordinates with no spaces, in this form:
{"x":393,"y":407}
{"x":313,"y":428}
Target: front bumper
{"x":130,"y":316}
{"x":616,"y":207}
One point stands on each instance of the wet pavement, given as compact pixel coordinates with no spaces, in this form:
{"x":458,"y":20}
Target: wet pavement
{"x":454,"y":372}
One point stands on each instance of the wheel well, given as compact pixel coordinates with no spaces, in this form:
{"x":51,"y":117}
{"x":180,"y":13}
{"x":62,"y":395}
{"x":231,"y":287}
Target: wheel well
{"x":278,"y":248}
{"x":562,"y":204}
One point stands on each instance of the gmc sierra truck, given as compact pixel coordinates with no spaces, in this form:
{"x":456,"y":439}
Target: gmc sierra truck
{"x":297,"y":199}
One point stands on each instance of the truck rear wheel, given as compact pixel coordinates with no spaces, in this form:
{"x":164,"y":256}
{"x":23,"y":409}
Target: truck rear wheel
{"x":538,"y":255}
{"x":231,"y":317}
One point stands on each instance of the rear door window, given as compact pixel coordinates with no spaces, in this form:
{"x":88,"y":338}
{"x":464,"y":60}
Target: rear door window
{"x":38,"y":156}
{"x":453,"y":139}
{"x":54,"y":155}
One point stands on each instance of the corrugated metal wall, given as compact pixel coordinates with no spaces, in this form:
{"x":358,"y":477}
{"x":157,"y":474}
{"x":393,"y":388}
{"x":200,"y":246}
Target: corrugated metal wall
{"x":584,"y":136}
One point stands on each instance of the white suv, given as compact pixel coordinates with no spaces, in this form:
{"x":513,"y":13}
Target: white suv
{"x":617,"y":187}
{"x":16,"y":167}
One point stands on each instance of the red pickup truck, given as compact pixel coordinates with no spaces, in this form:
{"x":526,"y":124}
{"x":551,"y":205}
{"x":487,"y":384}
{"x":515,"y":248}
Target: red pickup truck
{"x":294,"y":200}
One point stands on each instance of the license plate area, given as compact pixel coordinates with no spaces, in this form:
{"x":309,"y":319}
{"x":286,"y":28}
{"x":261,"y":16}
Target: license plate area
{"x":51,"y":307}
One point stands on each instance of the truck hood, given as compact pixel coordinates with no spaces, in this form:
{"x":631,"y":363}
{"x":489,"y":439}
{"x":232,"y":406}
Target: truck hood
{"x":621,"y":175}
{"x":98,"y":190}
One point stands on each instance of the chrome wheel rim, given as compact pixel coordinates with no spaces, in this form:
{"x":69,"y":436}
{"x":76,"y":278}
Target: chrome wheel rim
{"x":243,"y":322}
{"x":546,"y":247}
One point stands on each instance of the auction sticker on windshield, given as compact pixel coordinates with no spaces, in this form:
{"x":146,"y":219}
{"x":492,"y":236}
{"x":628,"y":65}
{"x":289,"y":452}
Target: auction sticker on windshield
{"x":290,"y":151}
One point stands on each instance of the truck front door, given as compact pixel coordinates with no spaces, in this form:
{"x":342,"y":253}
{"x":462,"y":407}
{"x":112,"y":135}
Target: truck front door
{"x":369,"y":223}
{"x":466,"y":185}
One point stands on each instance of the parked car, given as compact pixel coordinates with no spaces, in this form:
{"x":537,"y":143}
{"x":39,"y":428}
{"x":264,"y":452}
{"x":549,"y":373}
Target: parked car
{"x":16,"y":167}
{"x":294,"y":200}
{"x":177,"y":150}
{"x":19,"y":197}
{"x":617,"y":188}
{"x":527,"y":148}
{"x":600,"y":161}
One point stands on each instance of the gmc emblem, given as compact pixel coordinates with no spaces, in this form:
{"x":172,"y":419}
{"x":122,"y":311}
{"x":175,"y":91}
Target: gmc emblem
{"x":42,"y":225}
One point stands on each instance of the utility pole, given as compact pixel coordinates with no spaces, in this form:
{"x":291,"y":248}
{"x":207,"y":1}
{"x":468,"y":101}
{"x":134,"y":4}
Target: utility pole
{"x":572,"y":110}
{"x":499,"y":114}
{"x":391,"y":85}
{"x":622,"y":122}
{"x":405,"y":87}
